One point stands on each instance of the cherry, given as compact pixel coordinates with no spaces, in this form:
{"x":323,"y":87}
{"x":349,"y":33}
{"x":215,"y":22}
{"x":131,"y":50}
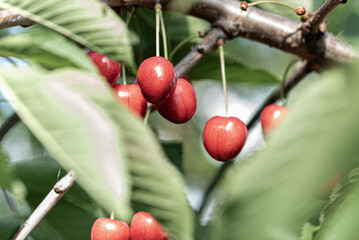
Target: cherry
{"x":145,"y":227}
{"x":224,"y":137}
{"x":107,"y":67}
{"x":131,"y":97}
{"x":109,"y":229}
{"x":157,"y":79}
{"x":271,"y":116}
{"x":181,"y":105}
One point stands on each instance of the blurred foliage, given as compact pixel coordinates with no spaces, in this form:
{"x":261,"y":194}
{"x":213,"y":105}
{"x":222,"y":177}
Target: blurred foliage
{"x":274,"y":194}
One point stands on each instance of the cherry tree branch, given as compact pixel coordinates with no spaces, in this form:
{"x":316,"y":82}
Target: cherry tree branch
{"x":10,"y":19}
{"x":301,"y":70}
{"x":56,"y":193}
{"x":312,"y":25}
{"x":208,"y":43}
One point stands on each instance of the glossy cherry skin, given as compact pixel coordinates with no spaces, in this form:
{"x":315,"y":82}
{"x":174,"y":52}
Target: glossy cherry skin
{"x":110,"y":229}
{"x":181,"y":105}
{"x":107,"y":67}
{"x":145,"y":227}
{"x":224,"y":137}
{"x":271,"y":116}
{"x":131,"y":97}
{"x":157,"y":79}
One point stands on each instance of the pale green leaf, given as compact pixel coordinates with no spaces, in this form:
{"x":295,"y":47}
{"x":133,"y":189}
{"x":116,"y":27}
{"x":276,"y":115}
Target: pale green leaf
{"x":80,"y":122}
{"x":275,"y":192}
{"x":66,"y":111}
{"x":46,"y":48}
{"x":339,"y":218}
{"x":6,"y":174}
{"x":88,"y":22}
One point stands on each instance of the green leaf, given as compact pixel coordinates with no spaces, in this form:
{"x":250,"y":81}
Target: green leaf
{"x":45,"y":47}
{"x":275,"y":192}
{"x":339,"y":217}
{"x":87,"y":22}
{"x":308,"y":231}
{"x":6,"y":175}
{"x":174,"y":153}
{"x":66,"y":111}
{"x":77,"y":118}
{"x":236,"y":71}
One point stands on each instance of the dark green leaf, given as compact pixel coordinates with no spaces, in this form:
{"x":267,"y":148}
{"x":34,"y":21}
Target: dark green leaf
{"x":174,"y":153}
{"x":236,"y":71}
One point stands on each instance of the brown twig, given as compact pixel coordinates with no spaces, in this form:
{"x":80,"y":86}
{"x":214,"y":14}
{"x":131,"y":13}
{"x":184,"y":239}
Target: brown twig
{"x":302,"y":69}
{"x":313,"y":23}
{"x":56,"y":193}
{"x":208,"y":43}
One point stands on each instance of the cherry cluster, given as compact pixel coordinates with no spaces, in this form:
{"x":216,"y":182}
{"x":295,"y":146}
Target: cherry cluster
{"x":156,"y":82}
{"x":143,"y":227}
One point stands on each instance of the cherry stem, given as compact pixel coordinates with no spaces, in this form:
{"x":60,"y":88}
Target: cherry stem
{"x":179,"y":45}
{"x":272,"y":2}
{"x":223,"y":71}
{"x":157,"y":30}
{"x":149,"y":110}
{"x":124,"y":80}
{"x":281,"y":98}
{"x":164,"y":37}
{"x":112,"y":216}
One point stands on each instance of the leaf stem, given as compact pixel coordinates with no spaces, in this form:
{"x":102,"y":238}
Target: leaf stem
{"x":223,"y":71}
{"x":164,"y":36}
{"x":179,"y":45}
{"x":272,"y":2}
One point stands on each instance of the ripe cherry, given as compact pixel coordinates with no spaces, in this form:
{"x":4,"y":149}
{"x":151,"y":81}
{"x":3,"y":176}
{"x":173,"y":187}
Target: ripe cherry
{"x":109,"y":229}
{"x":271,"y":116}
{"x":107,"y":67}
{"x":181,"y":105}
{"x":145,"y":227}
{"x":224,"y":137}
{"x":186,"y":77}
{"x":131,"y":97}
{"x":157,"y":79}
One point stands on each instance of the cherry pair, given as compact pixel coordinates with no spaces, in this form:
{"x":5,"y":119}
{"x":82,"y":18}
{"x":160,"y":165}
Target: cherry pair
{"x":129,"y":95}
{"x":143,"y":227}
{"x":175,"y":99}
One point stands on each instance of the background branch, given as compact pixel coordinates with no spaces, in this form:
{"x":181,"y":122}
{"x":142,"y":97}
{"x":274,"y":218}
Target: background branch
{"x":8,"y":124}
{"x":254,"y":24}
{"x":56,"y":193}
{"x":302,"y":69}
{"x":312,"y":25}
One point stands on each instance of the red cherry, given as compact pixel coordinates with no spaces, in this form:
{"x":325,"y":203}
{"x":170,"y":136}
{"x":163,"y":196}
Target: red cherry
{"x":109,"y":229}
{"x":157,"y":79}
{"x":181,"y":105}
{"x":107,"y":67}
{"x":271,"y":116}
{"x":131,"y":97}
{"x":224,"y":137}
{"x":145,"y":227}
